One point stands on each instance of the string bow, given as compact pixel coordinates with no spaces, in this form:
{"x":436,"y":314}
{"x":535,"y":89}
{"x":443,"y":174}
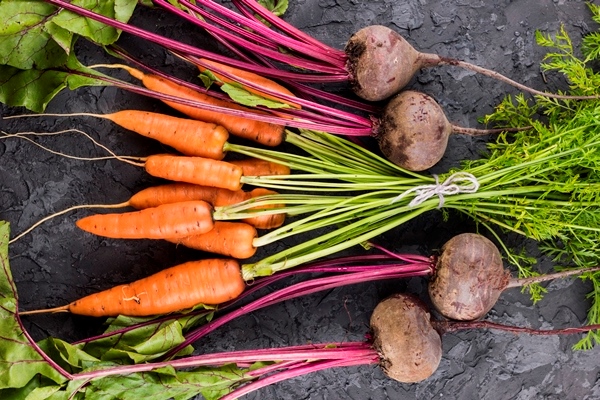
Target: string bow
{"x":460,"y":182}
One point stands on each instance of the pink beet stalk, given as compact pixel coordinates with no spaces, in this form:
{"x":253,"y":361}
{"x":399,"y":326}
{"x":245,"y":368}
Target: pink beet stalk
{"x":285,"y":27}
{"x":340,"y":266}
{"x":294,"y":361}
{"x":322,"y":117}
{"x":365,"y":273}
{"x":259,"y":33}
{"x":347,"y":358}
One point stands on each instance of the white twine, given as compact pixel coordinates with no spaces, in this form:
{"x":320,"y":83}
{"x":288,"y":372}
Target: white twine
{"x":460,"y":182}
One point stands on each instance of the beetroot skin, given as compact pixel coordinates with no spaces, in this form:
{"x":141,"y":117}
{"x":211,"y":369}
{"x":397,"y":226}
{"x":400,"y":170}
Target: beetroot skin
{"x":414,"y":131}
{"x":380,"y":62}
{"x":409,"y":347}
{"x":469,"y":278}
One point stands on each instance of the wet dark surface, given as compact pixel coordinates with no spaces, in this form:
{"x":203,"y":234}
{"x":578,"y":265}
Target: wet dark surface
{"x":57,"y":263}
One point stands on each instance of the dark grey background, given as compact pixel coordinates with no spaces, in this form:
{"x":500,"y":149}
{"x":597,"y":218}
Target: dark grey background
{"x":58,"y":263}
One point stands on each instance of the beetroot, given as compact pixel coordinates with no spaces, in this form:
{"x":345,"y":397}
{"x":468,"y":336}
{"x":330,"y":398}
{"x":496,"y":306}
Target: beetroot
{"x":414,"y":131}
{"x":410,"y":349}
{"x":381,"y":62}
{"x":469,"y":277}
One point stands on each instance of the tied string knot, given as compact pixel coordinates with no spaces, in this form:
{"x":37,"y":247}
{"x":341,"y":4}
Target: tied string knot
{"x":460,"y":182}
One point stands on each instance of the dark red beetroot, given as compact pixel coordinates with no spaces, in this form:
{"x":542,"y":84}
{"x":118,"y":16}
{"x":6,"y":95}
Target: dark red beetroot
{"x":414,"y":131}
{"x":469,"y":277}
{"x":410,"y":349}
{"x":381,"y":62}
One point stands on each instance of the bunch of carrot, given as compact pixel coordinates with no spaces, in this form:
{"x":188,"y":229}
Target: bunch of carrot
{"x":182,"y":211}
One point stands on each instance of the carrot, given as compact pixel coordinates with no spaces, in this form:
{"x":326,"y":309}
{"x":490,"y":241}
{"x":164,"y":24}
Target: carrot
{"x":197,"y":170}
{"x":181,"y":191}
{"x":176,"y":192}
{"x":232,"y":239}
{"x":165,"y":221}
{"x":265,"y":221}
{"x":249,"y":76}
{"x":258,"y":131}
{"x":181,"y":287}
{"x":188,"y":136}
{"x":258,"y":167}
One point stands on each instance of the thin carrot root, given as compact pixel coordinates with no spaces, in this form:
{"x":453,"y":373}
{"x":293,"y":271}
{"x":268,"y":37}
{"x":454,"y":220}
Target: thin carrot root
{"x":258,"y":167}
{"x":197,"y":170}
{"x":210,"y":281}
{"x":232,"y":239}
{"x":258,"y":131}
{"x":174,"y":220}
{"x":56,"y":214}
{"x":188,"y":136}
{"x":23,"y":135}
{"x":46,"y":311}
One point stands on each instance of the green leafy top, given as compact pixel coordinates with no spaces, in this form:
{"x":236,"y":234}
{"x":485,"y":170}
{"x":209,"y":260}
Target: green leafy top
{"x":277,"y":7}
{"x":36,"y":60}
{"x":36,"y":35}
{"x":20,"y":360}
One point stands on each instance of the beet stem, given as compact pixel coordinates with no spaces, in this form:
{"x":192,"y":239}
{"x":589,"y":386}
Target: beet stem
{"x":263,"y":34}
{"x":369,"y":273}
{"x":331,"y":351}
{"x":262,"y":47}
{"x":301,"y":369}
{"x":174,"y":45}
{"x":516,"y":282}
{"x":288,"y":28}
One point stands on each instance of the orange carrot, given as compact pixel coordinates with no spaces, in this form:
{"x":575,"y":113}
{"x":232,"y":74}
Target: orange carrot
{"x":181,"y":287}
{"x":181,"y":191}
{"x":176,"y":192}
{"x":252,"y":77}
{"x":189,"y":136}
{"x":265,"y":221}
{"x":197,"y":170}
{"x":165,"y":221}
{"x":232,"y":239}
{"x":258,"y":131}
{"x":258,"y":167}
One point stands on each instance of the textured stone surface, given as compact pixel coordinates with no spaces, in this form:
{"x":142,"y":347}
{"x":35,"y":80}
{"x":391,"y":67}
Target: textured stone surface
{"x":57,"y":263}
